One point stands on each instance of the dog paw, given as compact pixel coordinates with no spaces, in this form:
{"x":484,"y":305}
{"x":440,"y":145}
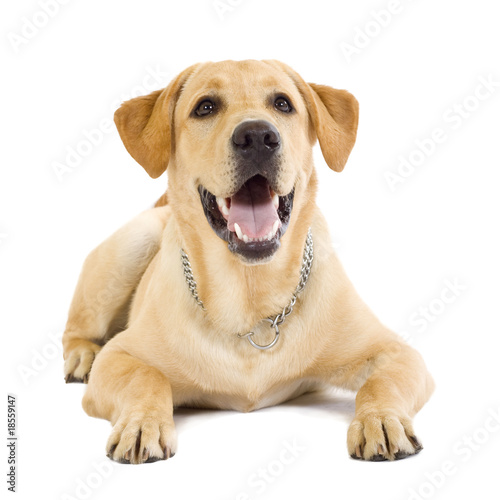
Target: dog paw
{"x":379,"y":437}
{"x":79,"y":355}
{"x":142,"y":437}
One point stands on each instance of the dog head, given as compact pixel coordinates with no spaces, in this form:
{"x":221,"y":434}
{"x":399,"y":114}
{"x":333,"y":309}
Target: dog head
{"x":237,"y":139}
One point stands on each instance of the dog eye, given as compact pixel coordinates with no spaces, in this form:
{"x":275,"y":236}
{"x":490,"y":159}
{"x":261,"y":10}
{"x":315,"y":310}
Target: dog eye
{"x":205,"y":108}
{"x":281,"y":104}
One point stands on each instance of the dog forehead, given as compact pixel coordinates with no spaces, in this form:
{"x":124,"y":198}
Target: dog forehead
{"x":239,"y":79}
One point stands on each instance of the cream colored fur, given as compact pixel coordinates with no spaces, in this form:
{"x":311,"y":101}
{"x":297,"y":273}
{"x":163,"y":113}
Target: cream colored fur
{"x":169,"y":352}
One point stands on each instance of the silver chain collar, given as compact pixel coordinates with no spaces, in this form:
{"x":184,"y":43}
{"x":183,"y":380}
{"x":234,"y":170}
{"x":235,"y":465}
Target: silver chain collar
{"x":278,"y":320}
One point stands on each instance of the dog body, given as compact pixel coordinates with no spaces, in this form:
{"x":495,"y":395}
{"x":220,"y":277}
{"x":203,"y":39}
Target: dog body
{"x":237,"y":138}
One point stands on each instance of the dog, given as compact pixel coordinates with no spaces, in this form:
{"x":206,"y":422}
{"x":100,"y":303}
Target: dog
{"x":228,"y":294}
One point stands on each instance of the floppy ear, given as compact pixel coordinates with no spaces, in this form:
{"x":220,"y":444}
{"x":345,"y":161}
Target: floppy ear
{"x":145,"y":125}
{"x":334,"y":114}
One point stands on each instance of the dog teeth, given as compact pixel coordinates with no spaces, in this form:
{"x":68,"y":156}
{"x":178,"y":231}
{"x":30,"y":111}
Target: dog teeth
{"x":268,"y":237}
{"x":276,"y":201}
{"x":221,"y":203}
{"x":276,"y":225}
{"x":238,"y":231}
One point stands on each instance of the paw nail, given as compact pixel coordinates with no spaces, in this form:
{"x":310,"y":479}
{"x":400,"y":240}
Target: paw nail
{"x":399,"y":455}
{"x":358,"y":451}
{"x":380,"y":449}
{"x":145,"y":455}
{"x":127,"y":455}
{"x":166,"y":453}
{"x":416,"y":443}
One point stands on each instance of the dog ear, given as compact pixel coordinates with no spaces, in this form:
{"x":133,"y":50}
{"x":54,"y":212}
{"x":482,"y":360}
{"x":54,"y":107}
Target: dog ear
{"x":145,"y":125}
{"x":334,"y":114}
{"x":334,"y":117}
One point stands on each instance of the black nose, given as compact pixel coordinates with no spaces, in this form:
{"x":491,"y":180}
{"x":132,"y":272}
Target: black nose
{"x":256,"y":139}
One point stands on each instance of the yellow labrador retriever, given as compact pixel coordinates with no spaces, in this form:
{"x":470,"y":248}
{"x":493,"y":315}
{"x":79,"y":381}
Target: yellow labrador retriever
{"x":228,"y":293}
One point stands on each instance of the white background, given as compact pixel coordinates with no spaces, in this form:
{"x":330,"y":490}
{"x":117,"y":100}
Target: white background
{"x":399,"y":246}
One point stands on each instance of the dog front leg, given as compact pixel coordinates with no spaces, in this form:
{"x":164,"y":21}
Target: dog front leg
{"x":396,"y":388}
{"x":137,"y":399}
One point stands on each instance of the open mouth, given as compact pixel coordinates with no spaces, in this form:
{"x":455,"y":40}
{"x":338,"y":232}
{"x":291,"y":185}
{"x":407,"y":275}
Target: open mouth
{"x":252,"y":220}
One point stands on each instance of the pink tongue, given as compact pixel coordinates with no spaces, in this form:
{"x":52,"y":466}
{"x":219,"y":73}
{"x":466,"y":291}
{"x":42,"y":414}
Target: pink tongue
{"x":252,"y":208}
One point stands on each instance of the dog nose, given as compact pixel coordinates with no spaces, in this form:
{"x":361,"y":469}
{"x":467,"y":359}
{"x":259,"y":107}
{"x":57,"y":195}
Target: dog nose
{"x":256,"y":139}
